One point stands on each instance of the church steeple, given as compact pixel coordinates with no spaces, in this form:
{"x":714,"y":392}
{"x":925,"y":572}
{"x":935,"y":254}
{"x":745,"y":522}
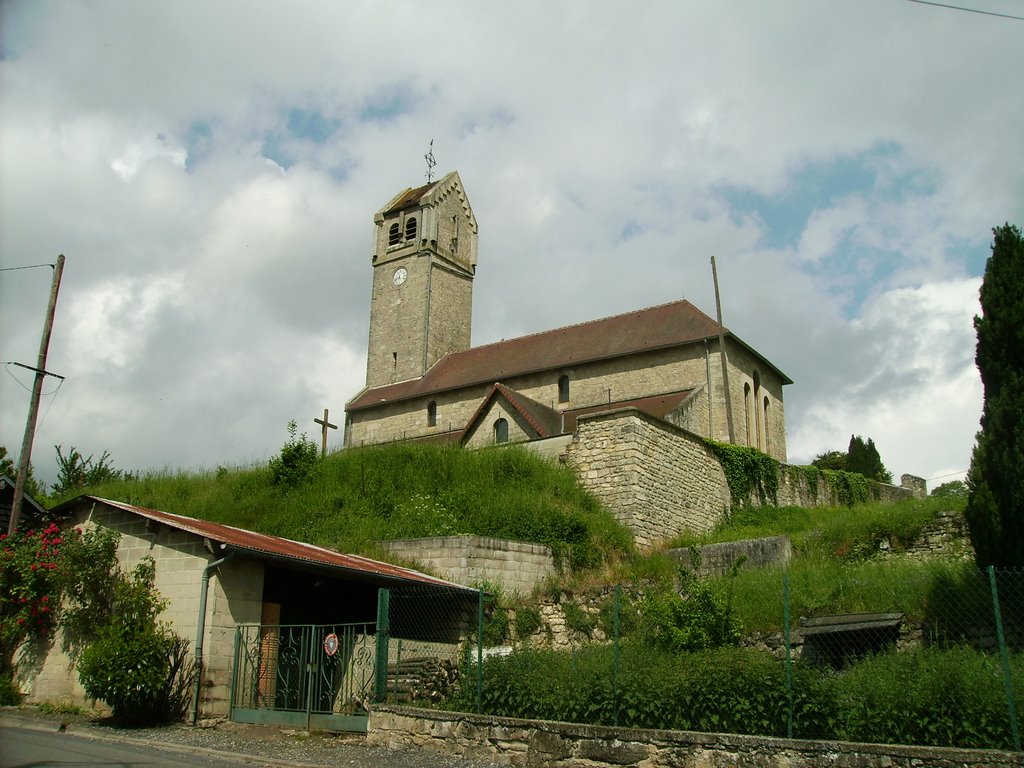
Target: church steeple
{"x":423,"y":268}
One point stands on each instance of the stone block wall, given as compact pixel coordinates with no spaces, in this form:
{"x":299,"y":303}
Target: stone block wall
{"x":514,"y":566}
{"x":658,"y":479}
{"x":717,"y":559}
{"x":514,"y":742}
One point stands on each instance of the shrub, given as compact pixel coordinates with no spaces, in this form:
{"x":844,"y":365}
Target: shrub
{"x":577,"y":619}
{"x":135,"y":664}
{"x":697,"y":617}
{"x":527,"y":621}
{"x":299,"y":457}
{"x":10,"y":694}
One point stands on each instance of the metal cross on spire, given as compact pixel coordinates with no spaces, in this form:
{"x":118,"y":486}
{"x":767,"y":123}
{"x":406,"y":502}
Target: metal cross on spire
{"x":429,"y":157}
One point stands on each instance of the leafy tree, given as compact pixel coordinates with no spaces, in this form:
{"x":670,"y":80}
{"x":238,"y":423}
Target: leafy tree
{"x":995,"y":504}
{"x":76,"y":472}
{"x":954,"y":489}
{"x":299,"y":457}
{"x":830,"y":460}
{"x":33,"y":487}
{"x":862,"y":457}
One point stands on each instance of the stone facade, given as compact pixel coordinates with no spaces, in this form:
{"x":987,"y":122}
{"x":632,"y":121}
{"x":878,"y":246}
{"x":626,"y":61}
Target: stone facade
{"x":515,"y":742}
{"x":423,"y":266}
{"x":658,"y":479}
{"x":514,"y":566}
{"x":180,"y":559}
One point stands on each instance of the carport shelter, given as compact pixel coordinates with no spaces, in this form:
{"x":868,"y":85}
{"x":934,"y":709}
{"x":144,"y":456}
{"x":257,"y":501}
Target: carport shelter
{"x":299,"y":607}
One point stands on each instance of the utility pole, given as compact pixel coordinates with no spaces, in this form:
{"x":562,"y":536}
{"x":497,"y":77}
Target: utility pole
{"x":33,"y":408}
{"x":722,"y":355}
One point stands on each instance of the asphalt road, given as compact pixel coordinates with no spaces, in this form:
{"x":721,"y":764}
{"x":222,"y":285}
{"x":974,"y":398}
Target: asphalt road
{"x":22,"y":748}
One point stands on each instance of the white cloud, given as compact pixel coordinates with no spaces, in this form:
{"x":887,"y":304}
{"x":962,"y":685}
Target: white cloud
{"x":218,"y":268}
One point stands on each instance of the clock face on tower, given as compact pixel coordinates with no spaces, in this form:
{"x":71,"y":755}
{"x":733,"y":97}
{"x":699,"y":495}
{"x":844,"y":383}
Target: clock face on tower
{"x":400,"y":276}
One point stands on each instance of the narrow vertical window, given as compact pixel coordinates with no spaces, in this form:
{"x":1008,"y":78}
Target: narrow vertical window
{"x":432,"y":413}
{"x":501,"y":431}
{"x":410,"y":228}
{"x":748,"y":413}
{"x":757,"y":412}
{"x":767,"y":447}
{"x":563,"y":389}
{"x":394,"y":235}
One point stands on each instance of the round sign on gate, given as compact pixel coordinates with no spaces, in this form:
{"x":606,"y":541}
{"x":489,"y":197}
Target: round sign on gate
{"x":331,"y":644}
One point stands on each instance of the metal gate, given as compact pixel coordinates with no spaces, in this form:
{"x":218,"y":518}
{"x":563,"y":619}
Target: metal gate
{"x":312,"y":676}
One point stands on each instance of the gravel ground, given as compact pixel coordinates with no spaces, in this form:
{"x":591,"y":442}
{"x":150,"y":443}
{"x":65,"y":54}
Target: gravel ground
{"x":253,"y":744}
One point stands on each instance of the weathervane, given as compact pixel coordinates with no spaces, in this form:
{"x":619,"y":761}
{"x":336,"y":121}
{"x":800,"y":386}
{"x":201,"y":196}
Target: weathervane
{"x":431,"y":162}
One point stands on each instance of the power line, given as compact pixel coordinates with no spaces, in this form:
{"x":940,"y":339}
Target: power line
{"x":951,"y":474}
{"x":967,"y":10}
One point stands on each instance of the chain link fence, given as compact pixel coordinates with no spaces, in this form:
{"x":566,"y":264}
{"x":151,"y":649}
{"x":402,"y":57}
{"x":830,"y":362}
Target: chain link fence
{"x":952,"y":675}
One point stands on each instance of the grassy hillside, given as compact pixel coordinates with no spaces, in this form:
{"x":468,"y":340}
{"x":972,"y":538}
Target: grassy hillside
{"x":358,"y":496}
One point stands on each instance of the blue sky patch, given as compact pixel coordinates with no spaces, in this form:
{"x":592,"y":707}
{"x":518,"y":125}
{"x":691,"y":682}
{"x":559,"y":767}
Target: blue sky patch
{"x":388,"y":103}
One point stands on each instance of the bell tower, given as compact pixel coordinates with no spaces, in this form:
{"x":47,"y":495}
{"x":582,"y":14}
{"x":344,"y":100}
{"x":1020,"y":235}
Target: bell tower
{"x":423,"y":267}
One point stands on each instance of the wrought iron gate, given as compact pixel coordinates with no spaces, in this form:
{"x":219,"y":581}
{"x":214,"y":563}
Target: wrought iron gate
{"x":303,"y":675}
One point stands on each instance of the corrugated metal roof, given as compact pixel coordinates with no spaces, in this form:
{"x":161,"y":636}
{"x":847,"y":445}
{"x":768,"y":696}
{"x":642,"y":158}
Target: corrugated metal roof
{"x":261,"y":544}
{"x":660,"y":327}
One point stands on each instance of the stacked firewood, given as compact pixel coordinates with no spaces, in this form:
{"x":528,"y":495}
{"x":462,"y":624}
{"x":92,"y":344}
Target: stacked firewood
{"x":421,"y":679}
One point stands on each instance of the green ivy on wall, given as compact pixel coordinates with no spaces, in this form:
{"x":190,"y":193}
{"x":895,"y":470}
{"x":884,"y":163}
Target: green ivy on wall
{"x":747,"y":471}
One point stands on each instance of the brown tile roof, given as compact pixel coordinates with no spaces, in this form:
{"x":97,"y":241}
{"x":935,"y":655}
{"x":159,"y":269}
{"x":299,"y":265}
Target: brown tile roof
{"x":266,"y":546}
{"x":544,"y":421}
{"x":659,"y":327}
{"x":656,"y":405}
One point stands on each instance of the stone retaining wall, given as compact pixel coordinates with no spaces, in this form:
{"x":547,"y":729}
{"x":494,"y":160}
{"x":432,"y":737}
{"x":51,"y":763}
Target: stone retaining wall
{"x":656,"y":478}
{"x":514,"y":566}
{"x":564,"y":745}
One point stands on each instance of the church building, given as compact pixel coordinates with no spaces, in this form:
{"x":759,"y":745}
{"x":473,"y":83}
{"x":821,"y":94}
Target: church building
{"x":424,"y":381}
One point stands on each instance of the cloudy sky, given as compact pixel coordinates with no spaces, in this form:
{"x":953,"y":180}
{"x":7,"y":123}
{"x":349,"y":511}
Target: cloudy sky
{"x":211,"y":169}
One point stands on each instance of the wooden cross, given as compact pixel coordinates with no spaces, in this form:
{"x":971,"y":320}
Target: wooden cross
{"x":325,"y":424}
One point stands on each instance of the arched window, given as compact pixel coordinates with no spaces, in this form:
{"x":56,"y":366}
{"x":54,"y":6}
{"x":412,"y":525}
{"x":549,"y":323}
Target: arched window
{"x":432,"y":413}
{"x":748,"y":412}
{"x":563,"y":389}
{"x":501,"y":431}
{"x":757,"y":412}
{"x":394,"y":235}
{"x":410,"y":228}
{"x":766,"y":446}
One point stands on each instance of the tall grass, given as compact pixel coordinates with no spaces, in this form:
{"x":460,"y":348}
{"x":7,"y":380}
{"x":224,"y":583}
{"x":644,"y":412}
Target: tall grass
{"x":360,"y":496}
{"x":845,"y":533}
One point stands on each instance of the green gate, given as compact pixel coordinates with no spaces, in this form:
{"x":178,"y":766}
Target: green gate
{"x":311,"y":676}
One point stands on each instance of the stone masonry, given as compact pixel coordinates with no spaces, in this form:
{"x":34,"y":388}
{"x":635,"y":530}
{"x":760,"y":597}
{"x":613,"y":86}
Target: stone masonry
{"x":515,"y":742}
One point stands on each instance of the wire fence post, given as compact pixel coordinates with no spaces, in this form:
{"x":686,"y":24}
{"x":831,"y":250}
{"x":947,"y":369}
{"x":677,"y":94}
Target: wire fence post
{"x":480,"y":653}
{"x":1007,"y":679}
{"x":616,"y":630}
{"x":789,"y":655}
{"x":383,"y":624}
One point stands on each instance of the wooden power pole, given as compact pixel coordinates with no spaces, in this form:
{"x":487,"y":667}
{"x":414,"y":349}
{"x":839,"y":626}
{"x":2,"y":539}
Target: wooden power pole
{"x":33,"y":408}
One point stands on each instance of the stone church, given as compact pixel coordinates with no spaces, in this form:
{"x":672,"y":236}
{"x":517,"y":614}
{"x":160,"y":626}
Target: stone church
{"x":424,"y":380}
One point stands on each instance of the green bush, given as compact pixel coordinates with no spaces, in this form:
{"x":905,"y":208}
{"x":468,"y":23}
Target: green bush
{"x":577,"y":619}
{"x":952,"y":698}
{"x":928,"y":697}
{"x":696,"y":617}
{"x":10,"y":694}
{"x":135,"y":664}
{"x":527,"y":621}
{"x":299,"y":457}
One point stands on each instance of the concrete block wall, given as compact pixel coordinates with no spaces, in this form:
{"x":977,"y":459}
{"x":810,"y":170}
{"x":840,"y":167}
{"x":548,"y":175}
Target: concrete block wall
{"x":180,"y":558}
{"x":514,"y":566}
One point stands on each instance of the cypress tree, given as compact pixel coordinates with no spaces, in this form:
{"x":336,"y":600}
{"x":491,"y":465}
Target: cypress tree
{"x":995,"y":504}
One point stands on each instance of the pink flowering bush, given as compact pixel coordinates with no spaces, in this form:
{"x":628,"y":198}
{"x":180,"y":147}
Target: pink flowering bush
{"x":30,"y":587}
